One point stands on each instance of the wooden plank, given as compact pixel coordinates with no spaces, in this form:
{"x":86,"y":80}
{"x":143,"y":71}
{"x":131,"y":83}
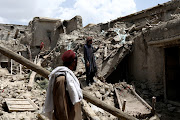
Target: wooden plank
{"x":114,"y":111}
{"x":118,"y":99}
{"x":12,"y":99}
{"x":88,"y":111}
{"x":33,"y":104}
{"x":33,"y":74}
{"x":20,"y":66}
{"x":20,"y":105}
{"x":153,"y":105}
{"x":11,"y":66}
{"x":124,"y":105}
{"x":140,"y":99}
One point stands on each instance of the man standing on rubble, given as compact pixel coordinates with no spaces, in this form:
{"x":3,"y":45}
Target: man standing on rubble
{"x":64,"y":93}
{"x":89,"y":58}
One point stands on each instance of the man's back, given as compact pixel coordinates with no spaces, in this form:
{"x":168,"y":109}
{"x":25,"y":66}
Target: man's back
{"x":63,"y":107}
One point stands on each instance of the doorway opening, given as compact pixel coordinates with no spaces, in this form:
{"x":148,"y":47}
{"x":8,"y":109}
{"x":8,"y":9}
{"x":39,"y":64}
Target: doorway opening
{"x":120,"y":73}
{"x":172,"y":73}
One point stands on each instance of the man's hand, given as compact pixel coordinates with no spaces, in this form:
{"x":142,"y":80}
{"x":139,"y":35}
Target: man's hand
{"x":87,"y":64}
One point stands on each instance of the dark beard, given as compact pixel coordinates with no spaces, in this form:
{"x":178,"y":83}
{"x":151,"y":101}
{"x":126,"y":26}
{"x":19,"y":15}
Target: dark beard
{"x":74,"y":69}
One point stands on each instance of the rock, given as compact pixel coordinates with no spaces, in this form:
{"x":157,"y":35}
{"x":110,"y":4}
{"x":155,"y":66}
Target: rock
{"x":91,"y":89}
{"x":117,"y":46}
{"x":106,"y":87}
{"x":44,"y":92}
{"x":159,"y":115}
{"x":102,"y":91}
{"x":21,"y":97}
{"x":104,"y":118}
{"x":98,"y":95}
{"x":5,"y":118}
{"x":99,"y":83}
{"x":111,"y":87}
{"x":18,"y":91}
{"x":1,"y":98}
{"x":117,"y":38}
{"x":11,"y":80}
{"x":14,"y":95}
{"x":111,"y":94}
{"x":3,"y":95}
{"x":154,"y":118}
{"x":80,"y":72}
{"x":143,"y":29}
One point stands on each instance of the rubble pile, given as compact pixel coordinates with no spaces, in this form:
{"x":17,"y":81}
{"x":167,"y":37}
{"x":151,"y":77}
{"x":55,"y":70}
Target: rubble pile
{"x":104,"y":92}
{"x":15,"y":86}
{"x":112,"y":46}
{"x":148,"y":33}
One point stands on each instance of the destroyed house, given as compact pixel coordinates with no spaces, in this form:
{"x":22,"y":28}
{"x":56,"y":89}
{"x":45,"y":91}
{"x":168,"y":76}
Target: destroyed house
{"x":42,"y":31}
{"x":154,"y":59}
{"x":140,"y":51}
{"x":9,"y":34}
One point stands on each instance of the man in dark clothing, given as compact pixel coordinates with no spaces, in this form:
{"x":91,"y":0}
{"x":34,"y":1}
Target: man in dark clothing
{"x":89,"y":58}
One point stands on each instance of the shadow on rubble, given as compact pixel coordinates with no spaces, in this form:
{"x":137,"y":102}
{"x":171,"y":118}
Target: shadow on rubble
{"x":120,"y":73}
{"x":5,"y":107}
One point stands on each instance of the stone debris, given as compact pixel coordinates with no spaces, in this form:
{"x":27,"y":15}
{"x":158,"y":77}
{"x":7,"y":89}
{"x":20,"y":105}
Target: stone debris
{"x":102,"y":91}
{"x":115,"y":40}
{"x":18,"y":90}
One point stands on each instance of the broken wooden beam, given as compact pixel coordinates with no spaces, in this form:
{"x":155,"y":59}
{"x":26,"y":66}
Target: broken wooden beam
{"x":139,"y":98}
{"x":33,"y":74}
{"x":20,"y":66}
{"x":153,"y":105}
{"x":88,"y":111}
{"x":114,"y":111}
{"x":124,"y":105}
{"x":12,"y":55}
{"x":11,"y":66}
{"x":118,"y":98}
{"x":40,"y":70}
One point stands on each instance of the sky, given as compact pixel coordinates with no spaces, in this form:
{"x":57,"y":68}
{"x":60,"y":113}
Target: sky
{"x":91,"y":11}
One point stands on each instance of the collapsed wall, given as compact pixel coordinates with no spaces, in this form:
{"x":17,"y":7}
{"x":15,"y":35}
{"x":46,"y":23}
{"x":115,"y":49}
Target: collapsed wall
{"x":152,"y":30}
{"x":10,"y":36}
{"x":138,"y":37}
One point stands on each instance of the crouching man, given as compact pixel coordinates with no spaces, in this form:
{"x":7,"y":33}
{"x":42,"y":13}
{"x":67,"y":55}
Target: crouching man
{"x":64,"y":93}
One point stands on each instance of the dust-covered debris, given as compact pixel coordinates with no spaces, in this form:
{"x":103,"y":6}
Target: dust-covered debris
{"x":141,"y":34}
